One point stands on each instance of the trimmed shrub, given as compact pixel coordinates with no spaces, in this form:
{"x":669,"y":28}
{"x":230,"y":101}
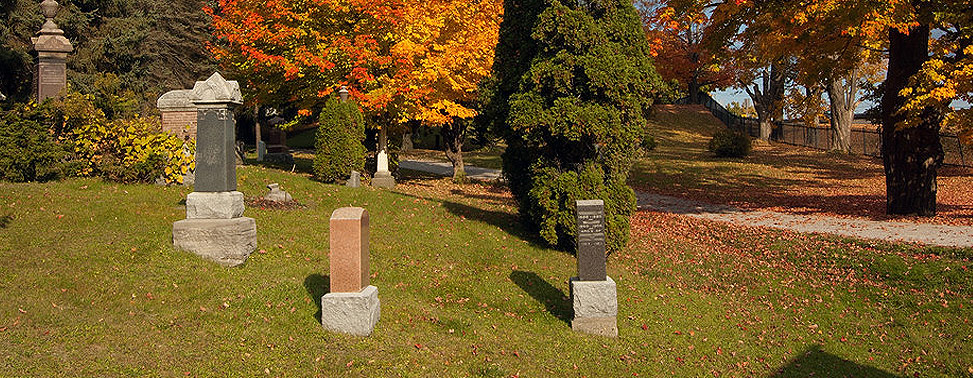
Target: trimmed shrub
{"x":573,"y":83}
{"x":648,"y":142}
{"x":28,"y":151}
{"x":126,"y":150}
{"x":338,"y":146}
{"x":729,"y":143}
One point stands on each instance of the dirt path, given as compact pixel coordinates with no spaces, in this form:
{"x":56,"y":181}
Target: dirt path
{"x":929,"y":234}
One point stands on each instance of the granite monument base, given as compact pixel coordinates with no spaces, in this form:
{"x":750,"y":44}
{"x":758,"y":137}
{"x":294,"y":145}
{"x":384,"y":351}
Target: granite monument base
{"x":214,"y":205}
{"x":383,"y":179}
{"x":595,"y":307}
{"x":351,"y":313}
{"x":228,"y":242}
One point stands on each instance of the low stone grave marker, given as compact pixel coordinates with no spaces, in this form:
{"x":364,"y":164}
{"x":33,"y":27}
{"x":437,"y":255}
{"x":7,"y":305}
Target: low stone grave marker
{"x":593,"y":293}
{"x":354,"y":181}
{"x":277,"y":194}
{"x":352,"y":305}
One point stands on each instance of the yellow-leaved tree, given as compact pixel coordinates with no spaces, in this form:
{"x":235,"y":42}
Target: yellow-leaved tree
{"x":442,"y":53}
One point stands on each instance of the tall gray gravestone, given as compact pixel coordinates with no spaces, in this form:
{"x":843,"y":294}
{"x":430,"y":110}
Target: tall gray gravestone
{"x":50,"y":73}
{"x":215,"y":227}
{"x":593,"y":293}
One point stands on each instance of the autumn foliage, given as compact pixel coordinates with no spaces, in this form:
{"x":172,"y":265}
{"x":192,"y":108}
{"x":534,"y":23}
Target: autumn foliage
{"x":416,"y":60}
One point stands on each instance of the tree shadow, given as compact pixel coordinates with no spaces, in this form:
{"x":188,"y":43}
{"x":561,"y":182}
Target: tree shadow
{"x":816,"y":362}
{"x":509,"y":223}
{"x":5,"y":220}
{"x":553,"y":299}
{"x":317,"y":285}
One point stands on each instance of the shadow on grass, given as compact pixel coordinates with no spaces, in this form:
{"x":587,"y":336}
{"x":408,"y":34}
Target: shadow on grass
{"x":317,"y":286}
{"x":300,"y":165}
{"x":507,"y":222}
{"x":815,"y":362}
{"x":5,"y":220}
{"x":552,"y":298}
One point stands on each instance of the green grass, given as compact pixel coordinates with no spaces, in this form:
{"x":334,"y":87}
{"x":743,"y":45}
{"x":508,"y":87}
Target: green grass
{"x":90,"y":286}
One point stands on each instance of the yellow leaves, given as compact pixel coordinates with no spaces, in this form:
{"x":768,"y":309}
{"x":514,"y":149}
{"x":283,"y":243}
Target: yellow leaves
{"x":443,"y":50}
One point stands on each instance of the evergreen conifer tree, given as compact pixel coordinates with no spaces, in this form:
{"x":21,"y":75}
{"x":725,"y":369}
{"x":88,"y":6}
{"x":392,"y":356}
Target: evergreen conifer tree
{"x":573,"y":82}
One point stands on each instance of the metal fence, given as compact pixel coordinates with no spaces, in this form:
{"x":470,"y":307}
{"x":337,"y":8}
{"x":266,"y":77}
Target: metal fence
{"x":864,"y":140}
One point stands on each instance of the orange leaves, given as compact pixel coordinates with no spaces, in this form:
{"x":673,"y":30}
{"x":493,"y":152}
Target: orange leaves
{"x":424,"y":57}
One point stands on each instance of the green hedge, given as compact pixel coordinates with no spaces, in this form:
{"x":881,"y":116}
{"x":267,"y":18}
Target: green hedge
{"x":339,"y":144}
{"x":28,"y":151}
{"x":728,"y":143}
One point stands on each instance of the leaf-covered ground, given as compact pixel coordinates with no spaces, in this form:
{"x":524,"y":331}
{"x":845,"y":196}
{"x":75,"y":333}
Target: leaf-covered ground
{"x":90,"y":286}
{"x":780,"y":178}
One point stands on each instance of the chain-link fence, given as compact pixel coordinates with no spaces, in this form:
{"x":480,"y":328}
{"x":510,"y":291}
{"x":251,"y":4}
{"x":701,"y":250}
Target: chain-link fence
{"x":865,"y":139}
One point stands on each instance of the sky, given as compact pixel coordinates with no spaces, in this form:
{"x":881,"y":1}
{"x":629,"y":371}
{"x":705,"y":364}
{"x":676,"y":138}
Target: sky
{"x":726,"y":96}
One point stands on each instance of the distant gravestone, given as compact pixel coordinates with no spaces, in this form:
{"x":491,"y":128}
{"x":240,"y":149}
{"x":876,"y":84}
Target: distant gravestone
{"x":261,"y":150}
{"x":383,"y":178}
{"x":214,"y":227}
{"x":179,"y":114}
{"x":50,"y":73}
{"x":352,"y":305}
{"x":593,"y":293}
{"x":355,"y":180}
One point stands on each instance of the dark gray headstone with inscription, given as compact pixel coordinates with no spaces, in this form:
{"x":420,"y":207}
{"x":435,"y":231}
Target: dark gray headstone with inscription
{"x":591,"y":240}
{"x":214,"y":227}
{"x":215,"y":134}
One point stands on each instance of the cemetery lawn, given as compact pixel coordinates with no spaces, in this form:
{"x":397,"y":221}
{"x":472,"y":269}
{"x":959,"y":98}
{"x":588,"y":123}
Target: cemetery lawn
{"x":778,"y":177}
{"x":90,"y":286}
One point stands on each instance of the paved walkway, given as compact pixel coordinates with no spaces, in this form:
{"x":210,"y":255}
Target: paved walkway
{"x":446,"y":169}
{"x":930,"y":234}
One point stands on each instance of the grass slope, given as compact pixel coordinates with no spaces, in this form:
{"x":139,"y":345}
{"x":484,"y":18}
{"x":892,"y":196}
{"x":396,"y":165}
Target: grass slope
{"x":778,"y":177}
{"x":90,"y":286}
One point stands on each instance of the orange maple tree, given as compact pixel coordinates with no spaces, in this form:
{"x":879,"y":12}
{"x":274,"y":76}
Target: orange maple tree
{"x":684,"y":48}
{"x":408,"y":60}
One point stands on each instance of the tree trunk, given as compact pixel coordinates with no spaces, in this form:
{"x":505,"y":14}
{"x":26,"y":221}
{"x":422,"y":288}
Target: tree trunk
{"x":453,"y":135}
{"x":410,"y":128}
{"x":407,"y":142}
{"x":913,"y":155}
{"x":694,"y":97}
{"x":256,"y":131}
{"x":841,"y":96}
{"x":382,"y":139}
{"x":767,"y":100}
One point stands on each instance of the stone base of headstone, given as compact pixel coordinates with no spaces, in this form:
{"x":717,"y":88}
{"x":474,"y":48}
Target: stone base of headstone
{"x":351,"y":313}
{"x":214,"y":205}
{"x":595,"y":307}
{"x":383,"y":179}
{"x":228,"y":242}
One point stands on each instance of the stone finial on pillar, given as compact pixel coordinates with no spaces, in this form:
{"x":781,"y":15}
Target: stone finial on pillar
{"x":214,"y":227}
{"x":352,"y":305}
{"x":50,"y":72}
{"x":343,"y":94}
